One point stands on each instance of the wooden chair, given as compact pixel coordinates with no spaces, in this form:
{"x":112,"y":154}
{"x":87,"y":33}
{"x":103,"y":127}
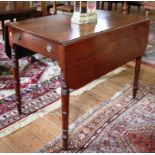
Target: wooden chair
{"x":63,"y":7}
{"x":15,"y":10}
{"x":19,"y":10}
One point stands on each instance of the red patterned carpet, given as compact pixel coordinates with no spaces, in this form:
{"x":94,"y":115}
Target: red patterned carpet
{"x":40,"y":88}
{"x":122,"y":125}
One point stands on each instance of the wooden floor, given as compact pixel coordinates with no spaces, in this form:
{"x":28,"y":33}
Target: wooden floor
{"x":35,"y":135}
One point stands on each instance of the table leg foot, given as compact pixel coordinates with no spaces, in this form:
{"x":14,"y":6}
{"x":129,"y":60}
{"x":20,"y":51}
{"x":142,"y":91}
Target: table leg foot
{"x":65,"y":140}
{"x":136,"y":76}
{"x":65,"y":112}
{"x":16,"y":78}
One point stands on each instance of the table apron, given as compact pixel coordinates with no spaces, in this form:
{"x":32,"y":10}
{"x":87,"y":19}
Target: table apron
{"x":34,"y":43}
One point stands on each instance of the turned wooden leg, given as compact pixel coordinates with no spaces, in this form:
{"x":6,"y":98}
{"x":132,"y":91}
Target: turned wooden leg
{"x":65,"y":112}
{"x":16,"y":78}
{"x":136,"y":76}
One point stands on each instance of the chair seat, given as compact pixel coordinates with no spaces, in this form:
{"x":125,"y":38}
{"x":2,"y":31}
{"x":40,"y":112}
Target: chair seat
{"x":65,"y":8}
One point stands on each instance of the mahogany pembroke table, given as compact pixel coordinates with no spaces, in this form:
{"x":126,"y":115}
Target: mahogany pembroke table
{"x":84,"y":52}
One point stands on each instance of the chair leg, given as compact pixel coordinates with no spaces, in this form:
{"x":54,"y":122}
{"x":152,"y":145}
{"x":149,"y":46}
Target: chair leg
{"x":136,"y":75}
{"x":97,"y":4}
{"x":128,"y":9}
{"x":102,"y":5}
{"x":109,"y":6}
{"x":16,"y":78}
{"x":115,"y":6}
{"x":138,"y":10}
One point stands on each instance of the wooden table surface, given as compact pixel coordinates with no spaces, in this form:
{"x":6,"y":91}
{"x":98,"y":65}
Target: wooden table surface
{"x":59,"y":28}
{"x":84,"y":52}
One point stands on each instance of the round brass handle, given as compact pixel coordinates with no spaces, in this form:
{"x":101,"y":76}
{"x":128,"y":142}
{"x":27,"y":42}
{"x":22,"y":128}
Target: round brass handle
{"x":18,"y":36}
{"x":49,"y":48}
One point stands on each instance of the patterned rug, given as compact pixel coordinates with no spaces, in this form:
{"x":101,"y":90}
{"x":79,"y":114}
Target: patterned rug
{"x":121,"y":125}
{"x":40,"y":87}
{"x":40,"y":83}
{"x":149,"y":56}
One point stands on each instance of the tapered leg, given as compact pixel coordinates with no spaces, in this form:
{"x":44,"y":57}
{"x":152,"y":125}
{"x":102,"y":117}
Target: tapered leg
{"x":136,"y":76}
{"x":16,"y":79}
{"x":65,"y":112}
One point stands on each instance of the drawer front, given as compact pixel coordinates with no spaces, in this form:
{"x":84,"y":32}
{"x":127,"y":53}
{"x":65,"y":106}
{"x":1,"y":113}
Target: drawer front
{"x":35,"y":43}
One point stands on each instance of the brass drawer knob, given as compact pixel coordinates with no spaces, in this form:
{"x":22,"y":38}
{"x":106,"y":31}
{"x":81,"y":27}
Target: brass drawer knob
{"x":49,"y":48}
{"x":18,"y":36}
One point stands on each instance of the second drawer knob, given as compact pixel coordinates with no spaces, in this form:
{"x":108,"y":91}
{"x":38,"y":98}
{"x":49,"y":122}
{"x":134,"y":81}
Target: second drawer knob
{"x":49,"y":48}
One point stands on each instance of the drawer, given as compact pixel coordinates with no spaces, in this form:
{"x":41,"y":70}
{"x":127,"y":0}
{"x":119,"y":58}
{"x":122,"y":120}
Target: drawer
{"x":36,"y":44}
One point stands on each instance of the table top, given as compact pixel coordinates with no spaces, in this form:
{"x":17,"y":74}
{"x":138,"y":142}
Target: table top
{"x":7,"y":7}
{"x":58,"y":28}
